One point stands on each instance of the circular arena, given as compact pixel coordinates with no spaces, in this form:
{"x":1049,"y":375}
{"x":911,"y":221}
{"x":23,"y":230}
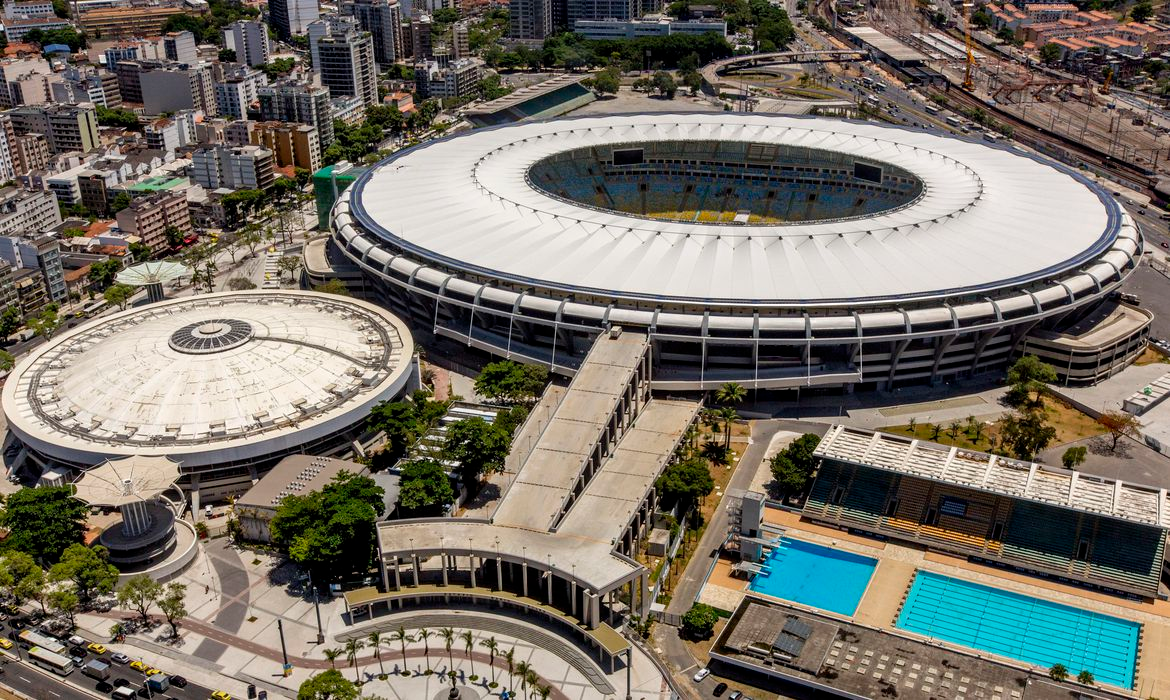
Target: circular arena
{"x":225,"y":384}
{"x":780,"y":252}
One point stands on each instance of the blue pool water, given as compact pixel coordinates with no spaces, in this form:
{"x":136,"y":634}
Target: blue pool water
{"x":1021,"y":627}
{"x":816,"y":576}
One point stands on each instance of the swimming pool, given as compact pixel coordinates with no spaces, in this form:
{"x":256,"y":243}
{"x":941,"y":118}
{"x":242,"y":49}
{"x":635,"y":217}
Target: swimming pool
{"x":816,"y":576}
{"x":1021,"y":627}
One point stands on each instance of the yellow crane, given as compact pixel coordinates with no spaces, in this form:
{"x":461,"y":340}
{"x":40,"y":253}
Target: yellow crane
{"x":968,"y":81}
{"x":1108,"y":80}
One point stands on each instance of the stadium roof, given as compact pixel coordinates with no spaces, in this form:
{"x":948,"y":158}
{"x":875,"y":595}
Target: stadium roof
{"x":985,"y":219}
{"x":118,"y":482}
{"x":524,"y":94}
{"x":208,"y":379}
{"x":999,"y":475}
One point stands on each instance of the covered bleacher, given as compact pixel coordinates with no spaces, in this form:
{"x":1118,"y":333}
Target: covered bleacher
{"x":1100,"y":532}
{"x":544,"y":100}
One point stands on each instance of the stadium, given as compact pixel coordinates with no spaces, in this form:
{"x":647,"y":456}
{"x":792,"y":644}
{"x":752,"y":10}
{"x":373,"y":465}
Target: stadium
{"x":779,"y":252}
{"x":225,"y":384}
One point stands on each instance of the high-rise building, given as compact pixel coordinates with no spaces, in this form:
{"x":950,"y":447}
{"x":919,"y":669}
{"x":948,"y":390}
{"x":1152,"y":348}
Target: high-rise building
{"x":456,"y":79}
{"x":234,"y":167}
{"x":300,"y":103}
{"x":460,"y":40}
{"x":31,"y":153}
{"x":329,"y":24}
{"x":292,"y":17}
{"x":149,"y":218}
{"x":237,"y":91}
{"x":181,"y":47}
{"x":65,"y":127}
{"x":292,"y":144}
{"x":41,"y":253}
{"x":347,"y":65}
{"x":530,"y":19}
{"x":249,"y":40}
{"x":8,"y":162}
{"x":621,"y":10}
{"x":171,"y":133}
{"x":420,"y":38}
{"x":88,"y":84}
{"x":170,"y":88}
{"x":383,"y":20}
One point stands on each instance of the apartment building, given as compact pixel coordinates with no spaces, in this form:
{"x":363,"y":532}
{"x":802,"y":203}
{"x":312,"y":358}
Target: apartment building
{"x":149,"y":218}
{"x":234,"y":167}
{"x":65,"y":127}
{"x":249,"y":40}
{"x":292,"y":144}
{"x":291,"y":101}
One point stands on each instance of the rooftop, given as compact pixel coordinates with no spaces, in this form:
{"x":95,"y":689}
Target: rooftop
{"x":118,"y":482}
{"x":886,"y":44}
{"x":295,"y":475}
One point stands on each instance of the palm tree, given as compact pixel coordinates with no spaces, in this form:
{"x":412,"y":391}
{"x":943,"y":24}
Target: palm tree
{"x":469,"y":644}
{"x":448,"y":636}
{"x":543,"y":691}
{"x":402,"y":638}
{"x":491,"y":645}
{"x":425,"y":635}
{"x":510,"y":657}
{"x":523,"y":670}
{"x":533,"y":680}
{"x":332,"y":655}
{"x":352,"y":647}
{"x":729,"y":416}
{"x":730,"y":394}
{"x":375,"y":640}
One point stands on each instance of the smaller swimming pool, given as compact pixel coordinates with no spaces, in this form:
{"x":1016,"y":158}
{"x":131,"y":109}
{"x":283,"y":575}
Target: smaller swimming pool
{"x":1022,"y":627}
{"x":815,"y":576}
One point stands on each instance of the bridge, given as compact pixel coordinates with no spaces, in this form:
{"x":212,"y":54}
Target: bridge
{"x":713,"y":70}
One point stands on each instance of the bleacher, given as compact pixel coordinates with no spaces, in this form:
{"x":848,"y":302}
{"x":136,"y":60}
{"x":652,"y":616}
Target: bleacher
{"x":1103,"y":551}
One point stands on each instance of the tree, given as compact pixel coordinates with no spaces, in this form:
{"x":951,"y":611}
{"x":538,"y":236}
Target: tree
{"x":140,"y":251}
{"x":333,"y":286}
{"x":120,"y":202}
{"x":685,"y":481}
{"x":1049,"y":53}
{"x":448,"y":636}
{"x":375,"y":640}
{"x":116,"y":117}
{"x":289,"y":264}
{"x":64,"y":600}
{"x":523,"y":670}
{"x":793,"y":467}
{"x":1026,"y":435}
{"x":330,"y":531}
{"x":1029,"y":375}
{"x":240,"y":284}
{"x":352,"y":647}
{"x":400,"y":421}
{"x":664,"y":83}
{"x":1073,"y":457}
{"x":606,"y":82}
{"x":468,"y":645}
{"x":699,"y":621}
{"x":328,"y":685}
{"x":119,"y":295}
{"x":10,"y":320}
{"x":511,"y":382}
{"x":492,"y":646}
{"x":43,"y":522}
{"x":424,"y":486}
{"x":25,"y":575}
{"x":7,"y":361}
{"x":139,"y":594}
{"x":1119,"y":424}
{"x":981,"y":19}
{"x":1058,"y":672}
{"x":1142,"y":11}
{"x":424,"y":636}
{"x":731,"y":394}
{"x":479,"y":448}
{"x":510,"y":659}
{"x":88,"y":568}
{"x":46,"y":323}
{"x":332,"y":655}
{"x":1085,"y":677}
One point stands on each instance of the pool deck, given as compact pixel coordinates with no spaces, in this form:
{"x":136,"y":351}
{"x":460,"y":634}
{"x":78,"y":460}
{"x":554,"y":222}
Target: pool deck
{"x":880,"y":605}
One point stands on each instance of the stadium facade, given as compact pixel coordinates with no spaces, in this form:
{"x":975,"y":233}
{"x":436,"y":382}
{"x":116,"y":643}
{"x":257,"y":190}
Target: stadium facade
{"x":780,"y":252}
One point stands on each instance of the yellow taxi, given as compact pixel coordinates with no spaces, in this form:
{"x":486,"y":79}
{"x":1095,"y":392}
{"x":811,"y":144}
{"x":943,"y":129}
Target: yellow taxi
{"x":96,"y":648}
{"x":5,"y":643}
{"x":151,"y":671}
{"x":220,"y":695}
{"x":138,"y":666}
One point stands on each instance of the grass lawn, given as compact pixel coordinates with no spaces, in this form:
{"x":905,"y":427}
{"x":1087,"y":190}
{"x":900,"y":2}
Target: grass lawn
{"x":1070,"y":424}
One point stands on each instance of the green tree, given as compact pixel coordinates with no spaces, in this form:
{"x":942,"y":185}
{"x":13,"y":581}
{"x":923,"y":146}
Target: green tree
{"x":685,"y":481}
{"x":424,"y":486}
{"x":492,"y":646}
{"x":289,"y":264}
{"x":88,"y":568}
{"x":140,"y":252}
{"x":333,"y":286}
{"x":330,"y":531}
{"x":1085,"y":677}
{"x":793,"y":467}
{"x":731,"y":394}
{"x":239,"y":284}
{"x":664,"y":83}
{"x":1142,"y":11}
{"x":401,"y":423}
{"x":120,"y":202}
{"x":352,"y":647}
{"x":7,"y":361}
{"x":26,"y":575}
{"x":1120,"y":424}
{"x":173,"y":604}
{"x":478,"y":447}
{"x":10,"y":320}
{"x":328,"y":685}
{"x":117,"y":117}
{"x":46,"y":323}
{"x":1026,"y":435}
{"x":278,"y":67}
{"x":43,"y":522}
{"x":1029,"y":375}
{"x":119,"y":295}
{"x":101,"y":273}
{"x":64,"y":600}
{"x":1049,"y":53}
{"x":1058,"y":672}
{"x":511,"y":382}
{"x":332,"y":655}
{"x":468,"y":645}
{"x":981,"y":19}
{"x":1073,"y":457}
{"x":375,"y":639}
{"x":399,"y":635}
{"x":139,"y":594}
{"x":606,"y":82}
{"x":699,"y":621}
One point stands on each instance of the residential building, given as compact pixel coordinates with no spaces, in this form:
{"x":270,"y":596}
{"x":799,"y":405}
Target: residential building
{"x":88,"y":84}
{"x":171,"y":133}
{"x":180,"y":47}
{"x":530,"y":20}
{"x":239,"y":133}
{"x":233,"y":167}
{"x":7,"y":287}
{"x":8,"y":162}
{"x":26,"y":81}
{"x":402,"y":101}
{"x":349,"y":110}
{"x":249,"y":40}
{"x":347,"y":65}
{"x":383,"y":20}
{"x":458,"y":79}
{"x":65,"y":127}
{"x":237,"y":91}
{"x":461,"y":40}
{"x":30,"y":152}
{"x":149,"y":218}
{"x":329,"y":24}
{"x":420,"y":38}
{"x":36,"y":8}
{"x":290,"y":101}
{"x":173,"y":87}
{"x":40,"y":253}
{"x":292,"y":144}
{"x":28,"y":288}
{"x":292,"y":17}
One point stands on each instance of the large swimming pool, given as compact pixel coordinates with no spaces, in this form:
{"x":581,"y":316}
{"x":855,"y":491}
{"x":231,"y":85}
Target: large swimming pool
{"x":816,"y":576}
{"x":1021,"y":627}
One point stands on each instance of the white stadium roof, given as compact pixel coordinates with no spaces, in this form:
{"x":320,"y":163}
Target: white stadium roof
{"x":209,"y":379}
{"x":988,"y":217}
{"x":118,"y":482}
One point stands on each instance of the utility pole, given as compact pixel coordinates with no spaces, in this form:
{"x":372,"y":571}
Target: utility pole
{"x":283,"y":649}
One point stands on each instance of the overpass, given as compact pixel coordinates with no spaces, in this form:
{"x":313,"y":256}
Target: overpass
{"x":713,"y":70}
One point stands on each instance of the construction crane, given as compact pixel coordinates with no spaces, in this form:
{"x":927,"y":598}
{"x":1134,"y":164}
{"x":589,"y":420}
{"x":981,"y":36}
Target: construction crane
{"x":968,"y":82}
{"x":1108,"y":80}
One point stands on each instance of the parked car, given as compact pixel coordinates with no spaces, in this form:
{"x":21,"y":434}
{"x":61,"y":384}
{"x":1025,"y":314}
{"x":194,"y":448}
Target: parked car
{"x":119,"y":658}
{"x":139,"y":666}
{"x":178,"y":681}
{"x":96,"y":648}
{"x":77,"y":650}
{"x":104,"y":687}
{"x":703,"y":673}
{"x":121,"y":682}
{"x":719,"y":690}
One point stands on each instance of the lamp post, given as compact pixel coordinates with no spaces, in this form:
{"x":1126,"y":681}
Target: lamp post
{"x":287,"y":668}
{"x":317,"y":609}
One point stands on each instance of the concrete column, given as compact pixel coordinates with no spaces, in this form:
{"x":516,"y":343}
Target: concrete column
{"x":385,"y":576}
{"x":548,"y":588}
{"x":646,"y":602}
{"x":524,"y":577}
{"x":414,"y":558}
{"x":443,"y":563}
{"x":499,"y":575}
{"x":471,"y":563}
{"x":573,"y":598}
{"x":593,"y":608}
{"x":397,"y":575}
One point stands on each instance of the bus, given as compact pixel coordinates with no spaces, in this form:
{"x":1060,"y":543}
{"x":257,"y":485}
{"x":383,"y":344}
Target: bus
{"x":867,"y":80}
{"x":93,"y":307}
{"x":931,"y":109}
{"x":32,"y":638}
{"x":50,"y":661}
{"x":954,"y":122}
